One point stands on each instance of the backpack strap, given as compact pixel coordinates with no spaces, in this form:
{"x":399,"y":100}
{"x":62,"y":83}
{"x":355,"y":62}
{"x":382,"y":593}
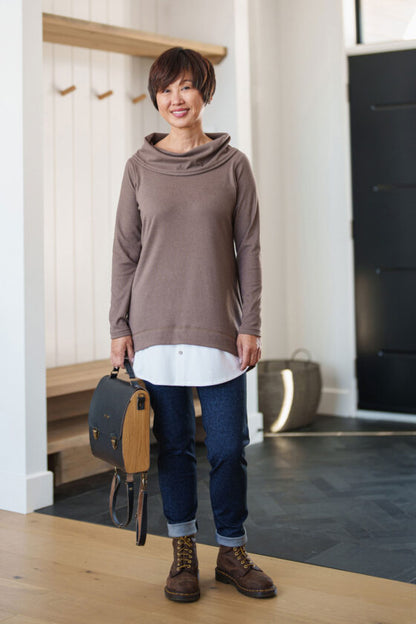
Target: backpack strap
{"x":129,"y":369}
{"x":133,"y":379}
{"x":115,"y":485}
{"x":141,"y":515}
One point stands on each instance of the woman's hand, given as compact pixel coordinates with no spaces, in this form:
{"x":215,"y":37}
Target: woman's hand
{"x":119,"y":348}
{"x":249,"y":350}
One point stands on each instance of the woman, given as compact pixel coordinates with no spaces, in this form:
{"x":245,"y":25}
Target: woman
{"x":186,"y":309}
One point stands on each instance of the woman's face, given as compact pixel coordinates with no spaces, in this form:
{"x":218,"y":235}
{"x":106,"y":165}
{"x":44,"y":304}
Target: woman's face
{"x":180,"y":104}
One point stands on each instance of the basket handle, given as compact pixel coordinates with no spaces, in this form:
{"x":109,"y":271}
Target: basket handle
{"x":305,"y":351}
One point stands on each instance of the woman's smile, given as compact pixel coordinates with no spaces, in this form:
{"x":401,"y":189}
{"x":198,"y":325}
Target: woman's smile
{"x":180,"y":112}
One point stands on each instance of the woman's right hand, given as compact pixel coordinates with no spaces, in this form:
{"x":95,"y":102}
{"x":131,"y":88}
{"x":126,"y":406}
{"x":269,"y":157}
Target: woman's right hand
{"x":119,"y":348}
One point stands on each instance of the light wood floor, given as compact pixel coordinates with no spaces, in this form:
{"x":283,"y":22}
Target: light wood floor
{"x":60,"y":571}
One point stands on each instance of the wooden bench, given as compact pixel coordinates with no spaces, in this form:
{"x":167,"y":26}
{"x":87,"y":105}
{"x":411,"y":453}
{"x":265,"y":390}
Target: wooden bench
{"x":69,"y":390}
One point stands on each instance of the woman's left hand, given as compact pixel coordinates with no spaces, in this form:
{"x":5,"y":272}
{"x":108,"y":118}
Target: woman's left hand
{"x":249,"y":350}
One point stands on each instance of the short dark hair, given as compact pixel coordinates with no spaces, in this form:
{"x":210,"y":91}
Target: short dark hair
{"x":175,"y":62}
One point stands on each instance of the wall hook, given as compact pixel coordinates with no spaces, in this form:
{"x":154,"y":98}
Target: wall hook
{"x":68,"y":90}
{"x":101,"y":96}
{"x":139,"y":98}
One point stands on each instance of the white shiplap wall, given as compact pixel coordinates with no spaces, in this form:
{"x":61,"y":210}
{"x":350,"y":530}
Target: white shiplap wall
{"x":86,"y":143}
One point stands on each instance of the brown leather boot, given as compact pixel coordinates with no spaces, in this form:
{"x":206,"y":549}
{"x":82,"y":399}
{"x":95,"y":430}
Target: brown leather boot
{"x":182,"y":583}
{"x":234,"y":566}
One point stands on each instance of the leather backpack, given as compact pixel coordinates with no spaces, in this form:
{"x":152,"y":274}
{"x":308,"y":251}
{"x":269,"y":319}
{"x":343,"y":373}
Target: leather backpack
{"x":119,"y":428}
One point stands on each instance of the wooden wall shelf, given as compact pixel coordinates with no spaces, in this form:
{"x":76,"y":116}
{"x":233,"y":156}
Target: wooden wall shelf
{"x":84,"y":34}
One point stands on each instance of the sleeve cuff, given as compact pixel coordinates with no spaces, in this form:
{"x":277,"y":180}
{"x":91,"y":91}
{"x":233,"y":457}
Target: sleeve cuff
{"x":251,"y":331}
{"x":120,"y":333}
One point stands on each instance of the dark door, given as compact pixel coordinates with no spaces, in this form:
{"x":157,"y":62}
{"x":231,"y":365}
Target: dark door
{"x":383,"y":141}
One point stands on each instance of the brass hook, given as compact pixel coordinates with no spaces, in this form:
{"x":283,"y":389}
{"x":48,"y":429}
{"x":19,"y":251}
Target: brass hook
{"x":68,"y":90}
{"x":104,"y":95}
{"x":139,"y":98}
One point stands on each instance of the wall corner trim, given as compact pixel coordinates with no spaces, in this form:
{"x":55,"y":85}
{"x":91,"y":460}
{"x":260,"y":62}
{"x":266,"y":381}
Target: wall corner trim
{"x":25,"y":493}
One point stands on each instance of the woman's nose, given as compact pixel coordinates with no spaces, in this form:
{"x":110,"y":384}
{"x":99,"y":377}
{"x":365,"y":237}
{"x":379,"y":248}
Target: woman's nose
{"x":177,"y":96}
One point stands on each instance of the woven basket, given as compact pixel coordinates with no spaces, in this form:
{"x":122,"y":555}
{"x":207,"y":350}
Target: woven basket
{"x":289,"y":392}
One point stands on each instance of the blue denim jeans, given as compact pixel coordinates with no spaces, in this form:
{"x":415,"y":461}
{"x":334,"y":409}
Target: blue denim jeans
{"x":224,"y":417}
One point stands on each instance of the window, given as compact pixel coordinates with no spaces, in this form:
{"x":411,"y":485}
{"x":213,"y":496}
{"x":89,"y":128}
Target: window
{"x":387,"y":20}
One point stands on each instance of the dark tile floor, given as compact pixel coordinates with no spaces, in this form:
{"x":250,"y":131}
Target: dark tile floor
{"x":341,"y":501}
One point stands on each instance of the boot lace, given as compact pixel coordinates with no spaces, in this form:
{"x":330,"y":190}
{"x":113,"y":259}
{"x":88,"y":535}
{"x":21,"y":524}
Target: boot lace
{"x":184,"y":552}
{"x":242,"y":556}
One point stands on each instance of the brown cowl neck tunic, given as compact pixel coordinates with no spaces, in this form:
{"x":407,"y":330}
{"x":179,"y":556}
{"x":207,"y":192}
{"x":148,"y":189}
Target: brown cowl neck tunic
{"x":186,"y":265}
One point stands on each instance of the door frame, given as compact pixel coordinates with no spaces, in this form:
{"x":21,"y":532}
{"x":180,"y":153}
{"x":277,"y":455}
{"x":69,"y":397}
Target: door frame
{"x":383,"y":46}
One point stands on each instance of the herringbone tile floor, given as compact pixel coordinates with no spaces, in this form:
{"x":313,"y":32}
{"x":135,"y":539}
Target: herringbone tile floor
{"x":344,"y":500}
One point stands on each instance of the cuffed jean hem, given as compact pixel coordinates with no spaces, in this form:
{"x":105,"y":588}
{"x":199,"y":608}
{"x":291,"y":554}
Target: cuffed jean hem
{"x":182,"y":528}
{"x":231,"y":541}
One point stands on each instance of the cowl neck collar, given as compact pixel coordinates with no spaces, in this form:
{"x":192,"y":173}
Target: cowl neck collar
{"x":197,"y":160}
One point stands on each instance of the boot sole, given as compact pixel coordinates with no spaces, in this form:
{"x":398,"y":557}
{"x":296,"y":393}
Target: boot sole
{"x":223,"y":577}
{"x":178,"y":597}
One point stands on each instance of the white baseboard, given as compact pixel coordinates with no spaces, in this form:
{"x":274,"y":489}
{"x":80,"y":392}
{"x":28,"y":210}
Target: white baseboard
{"x":337,"y":402}
{"x":387,"y":416}
{"x":25,"y":493}
{"x":330,"y":404}
{"x":255,"y":427}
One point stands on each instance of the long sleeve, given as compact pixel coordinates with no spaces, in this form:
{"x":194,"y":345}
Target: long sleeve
{"x":126,"y":254}
{"x":247,"y":243}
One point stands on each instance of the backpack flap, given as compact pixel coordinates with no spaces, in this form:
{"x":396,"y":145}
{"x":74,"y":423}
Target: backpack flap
{"x":106,"y":416}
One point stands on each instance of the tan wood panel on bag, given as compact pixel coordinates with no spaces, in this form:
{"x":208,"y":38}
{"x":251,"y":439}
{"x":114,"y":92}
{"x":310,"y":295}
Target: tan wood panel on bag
{"x":136,"y":434}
